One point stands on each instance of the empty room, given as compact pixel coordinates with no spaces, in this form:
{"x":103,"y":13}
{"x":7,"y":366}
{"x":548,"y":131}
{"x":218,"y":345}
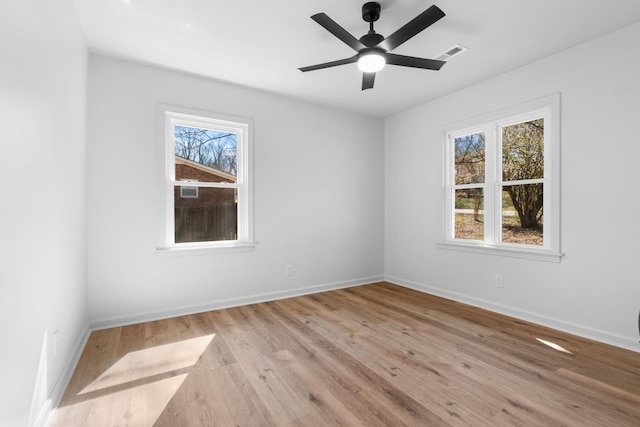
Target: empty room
{"x":292,"y":213}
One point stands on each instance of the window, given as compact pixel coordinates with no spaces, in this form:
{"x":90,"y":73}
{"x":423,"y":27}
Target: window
{"x":207,"y":199}
{"x":502,"y":182}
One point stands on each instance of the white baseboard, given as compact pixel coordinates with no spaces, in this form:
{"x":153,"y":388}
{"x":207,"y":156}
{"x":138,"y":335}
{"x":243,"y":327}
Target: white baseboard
{"x":113,"y":322}
{"x":628,"y":343}
{"x":45,"y":414}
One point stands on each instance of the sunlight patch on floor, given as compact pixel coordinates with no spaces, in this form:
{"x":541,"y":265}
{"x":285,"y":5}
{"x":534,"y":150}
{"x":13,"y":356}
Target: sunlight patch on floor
{"x":136,"y":406}
{"x":151,"y":361}
{"x":554,"y":346}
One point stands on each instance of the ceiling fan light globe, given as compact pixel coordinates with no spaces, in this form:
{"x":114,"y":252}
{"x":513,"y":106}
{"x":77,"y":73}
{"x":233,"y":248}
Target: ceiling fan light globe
{"x":371,"y":62}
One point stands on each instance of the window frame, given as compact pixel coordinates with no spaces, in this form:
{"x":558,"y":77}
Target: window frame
{"x":491,"y":124}
{"x":171,"y":116}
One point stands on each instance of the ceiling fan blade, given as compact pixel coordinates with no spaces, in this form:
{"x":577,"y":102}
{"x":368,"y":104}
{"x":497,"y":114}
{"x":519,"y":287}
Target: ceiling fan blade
{"x":412,"y":61}
{"x":354,"y":58}
{"x":334,"y":28}
{"x":367,"y":80}
{"x":413,"y":27}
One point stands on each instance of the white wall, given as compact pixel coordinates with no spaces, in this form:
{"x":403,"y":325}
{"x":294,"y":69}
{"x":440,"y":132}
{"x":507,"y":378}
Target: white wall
{"x":318,"y":201}
{"x":595,"y":290}
{"x":43,"y":273}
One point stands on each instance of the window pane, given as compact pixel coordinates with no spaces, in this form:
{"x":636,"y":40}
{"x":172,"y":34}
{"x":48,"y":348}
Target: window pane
{"x":523,"y":151}
{"x":205,"y":155}
{"x":469,"y":214}
{"x":469,"y":161}
{"x":522,"y":214}
{"x":211,"y":216}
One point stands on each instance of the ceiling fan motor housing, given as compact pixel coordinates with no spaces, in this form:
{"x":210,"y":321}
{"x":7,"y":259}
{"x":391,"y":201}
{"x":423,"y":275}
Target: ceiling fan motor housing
{"x":371,"y":39}
{"x":371,"y":11}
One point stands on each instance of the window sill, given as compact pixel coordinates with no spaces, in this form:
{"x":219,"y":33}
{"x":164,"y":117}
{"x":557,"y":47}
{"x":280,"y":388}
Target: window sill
{"x":187,"y":249}
{"x":525,"y":253}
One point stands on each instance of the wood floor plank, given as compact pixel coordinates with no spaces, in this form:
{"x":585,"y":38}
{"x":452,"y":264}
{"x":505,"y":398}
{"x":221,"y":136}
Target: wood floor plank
{"x":333,"y":411}
{"x":374,"y":355}
{"x":401,"y":371}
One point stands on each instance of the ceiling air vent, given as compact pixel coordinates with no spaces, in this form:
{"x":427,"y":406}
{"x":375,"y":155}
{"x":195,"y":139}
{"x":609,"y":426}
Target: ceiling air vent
{"x":451,"y":52}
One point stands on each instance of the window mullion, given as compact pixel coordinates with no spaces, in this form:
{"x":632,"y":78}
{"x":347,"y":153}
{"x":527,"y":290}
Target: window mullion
{"x":491,"y":221}
{"x":498,"y":185}
{"x":522,"y":182}
{"x":205,"y":184}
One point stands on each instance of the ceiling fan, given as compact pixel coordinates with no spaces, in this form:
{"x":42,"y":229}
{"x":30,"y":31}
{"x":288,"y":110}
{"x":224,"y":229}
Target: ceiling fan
{"x":374,"y":49}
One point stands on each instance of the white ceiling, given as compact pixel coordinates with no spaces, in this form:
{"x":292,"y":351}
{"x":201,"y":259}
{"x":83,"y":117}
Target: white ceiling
{"x":261,"y":44}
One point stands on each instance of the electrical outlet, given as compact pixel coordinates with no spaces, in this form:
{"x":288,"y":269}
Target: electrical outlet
{"x":499,"y":281}
{"x":288,"y":270}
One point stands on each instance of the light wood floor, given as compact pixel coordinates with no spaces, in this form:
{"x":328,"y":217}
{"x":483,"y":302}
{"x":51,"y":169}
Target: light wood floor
{"x":371,"y":355}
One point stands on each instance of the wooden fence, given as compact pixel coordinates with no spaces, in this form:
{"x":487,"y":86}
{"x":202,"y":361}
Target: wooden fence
{"x":203,"y":224}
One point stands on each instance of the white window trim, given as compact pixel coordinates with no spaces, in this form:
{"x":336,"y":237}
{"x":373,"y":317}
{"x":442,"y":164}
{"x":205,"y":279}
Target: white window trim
{"x":547,"y":107}
{"x":169,"y":116}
